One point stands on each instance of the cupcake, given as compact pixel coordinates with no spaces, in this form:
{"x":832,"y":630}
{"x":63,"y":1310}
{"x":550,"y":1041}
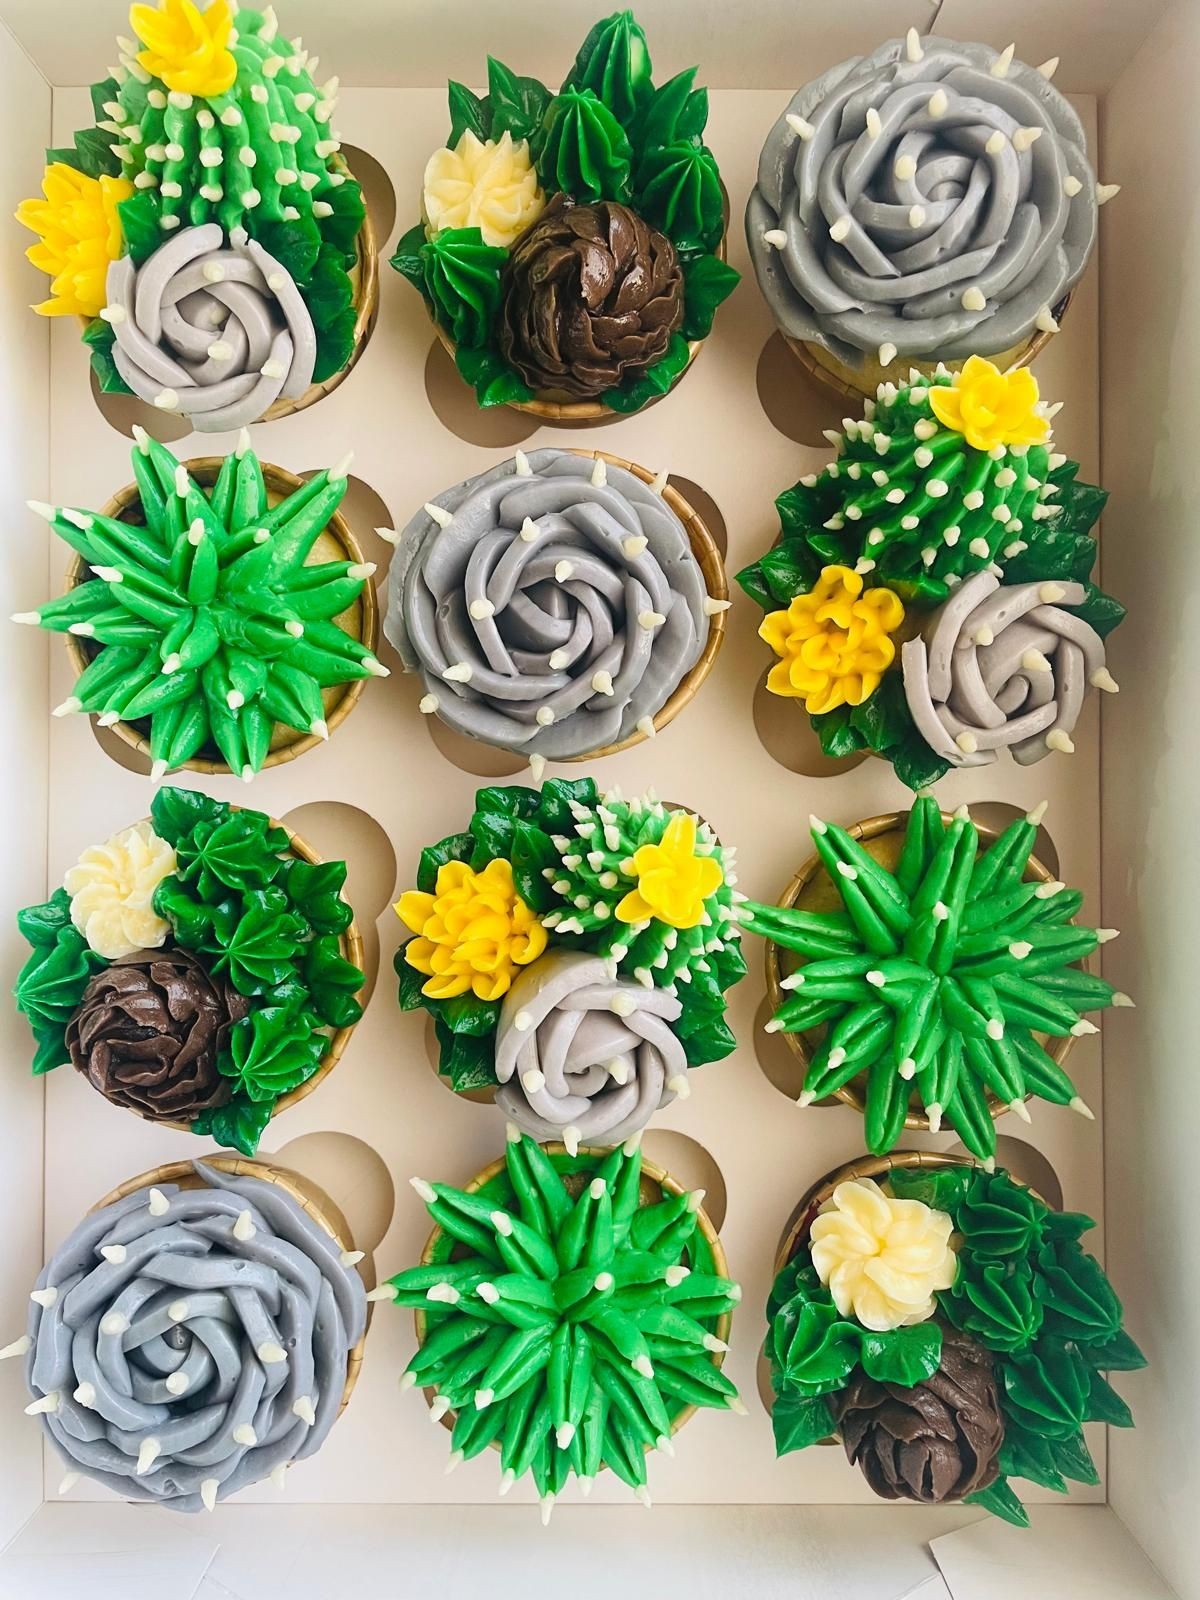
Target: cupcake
{"x":573,"y":950}
{"x":206,"y":231}
{"x":204,"y":617}
{"x":561,"y":605}
{"x":200,"y":968}
{"x":949,"y":1328}
{"x":199,"y":1331}
{"x":933,"y":582}
{"x":572,"y":1312}
{"x":571,"y":246}
{"x":940,"y":975}
{"x":930,"y":201}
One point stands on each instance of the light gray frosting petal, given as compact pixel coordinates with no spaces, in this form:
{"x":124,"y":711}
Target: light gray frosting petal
{"x":564,"y":606}
{"x":194,"y":1301}
{"x":998,"y":220}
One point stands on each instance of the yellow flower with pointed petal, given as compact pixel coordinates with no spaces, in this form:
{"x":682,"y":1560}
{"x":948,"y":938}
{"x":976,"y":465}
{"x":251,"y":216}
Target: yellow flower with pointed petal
{"x":833,"y":642}
{"x":989,"y":407}
{"x":673,"y":882}
{"x":882,"y":1258}
{"x":188,"y":49}
{"x":473,"y":932}
{"x":80,"y":234}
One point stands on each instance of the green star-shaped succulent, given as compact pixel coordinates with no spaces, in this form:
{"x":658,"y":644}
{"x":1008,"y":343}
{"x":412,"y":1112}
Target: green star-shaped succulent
{"x":938,"y":976}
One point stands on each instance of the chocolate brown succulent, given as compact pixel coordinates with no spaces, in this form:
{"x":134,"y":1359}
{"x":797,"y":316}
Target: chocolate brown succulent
{"x":149,"y":1030}
{"x":591,"y":295}
{"x":938,"y":1440}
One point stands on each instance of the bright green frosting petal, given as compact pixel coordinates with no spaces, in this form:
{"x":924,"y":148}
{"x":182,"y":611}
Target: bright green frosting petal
{"x":614,"y":63}
{"x":1080,"y":1303}
{"x":271,"y":1052}
{"x":999,"y":1218}
{"x":462,"y":279}
{"x":584,"y":151}
{"x":679,"y":191}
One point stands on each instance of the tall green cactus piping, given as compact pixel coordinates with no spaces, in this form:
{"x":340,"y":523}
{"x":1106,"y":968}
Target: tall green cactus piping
{"x":209,"y":621}
{"x":566,"y":1322}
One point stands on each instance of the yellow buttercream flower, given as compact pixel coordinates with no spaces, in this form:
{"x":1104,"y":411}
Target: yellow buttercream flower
{"x":833,"y":642}
{"x":883,"y":1259}
{"x":673,"y":882}
{"x":188,"y":49}
{"x":473,"y":932}
{"x":80,"y":234}
{"x":491,"y":186}
{"x":989,"y":407}
{"x":112,"y":892}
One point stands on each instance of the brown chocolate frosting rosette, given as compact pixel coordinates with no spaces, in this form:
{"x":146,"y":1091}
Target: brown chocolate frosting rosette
{"x":590,"y":296}
{"x":149,"y":1030}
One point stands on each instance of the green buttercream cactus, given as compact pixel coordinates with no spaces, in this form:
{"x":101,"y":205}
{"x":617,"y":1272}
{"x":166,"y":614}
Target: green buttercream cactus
{"x":192,"y":968}
{"x":211,"y":627}
{"x":214,"y":143}
{"x":574,"y":951}
{"x":934,"y":985}
{"x":566,"y":1320}
{"x":952,"y":1330}
{"x":947,"y":495}
{"x":616,"y":174}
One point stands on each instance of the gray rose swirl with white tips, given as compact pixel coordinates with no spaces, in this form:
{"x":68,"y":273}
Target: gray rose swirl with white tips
{"x":552,"y":605}
{"x":584,"y":1057}
{"x":930,"y":200}
{"x":1003,"y":667}
{"x":183,"y":1343}
{"x":213,"y":328}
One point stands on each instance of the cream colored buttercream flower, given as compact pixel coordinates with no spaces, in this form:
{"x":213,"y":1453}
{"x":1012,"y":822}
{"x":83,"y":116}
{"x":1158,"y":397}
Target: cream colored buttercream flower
{"x":492,"y":187}
{"x":882,"y":1258}
{"x":112,"y":892}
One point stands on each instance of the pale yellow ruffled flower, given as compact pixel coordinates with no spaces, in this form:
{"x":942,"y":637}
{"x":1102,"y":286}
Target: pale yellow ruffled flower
{"x":188,"y":49}
{"x":989,"y":407}
{"x":473,"y":932}
{"x":833,"y":642}
{"x":492,"y":187}
{"x":112,"y":892}
{"x":80,"y":234}
{"x":883,"y":1259}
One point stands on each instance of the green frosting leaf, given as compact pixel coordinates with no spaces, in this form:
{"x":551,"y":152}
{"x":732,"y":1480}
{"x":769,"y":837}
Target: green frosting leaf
{"x":1073,"y":1459}
{"x":516,"y":105}
{"x":258,"y":941}
{"x":495,"y":383}
{"x":296,"y":245}
{"x":614,"y":64}
{"x":333,"y":982}
{"x":1118,"y":1354}
{"x":455,"y":847}
{"x":100,"y":338}
{"x":1079,"y":1301}
{"x":270,"y":1053}
{"x":813,"y":1348}
{"x":1104,"y":1404}
{"x":995,"y":1303}
{"x":140,"y":225}
{"x":584,"y":150}
{"x":462,"y":281}
{"x":942,"y":1188}
{"x":467,"y":1059}
{"x":91,"y":153}
{"x":906,"y":1356}
{"x":837,"y":734}
{"x":238,"y":1124}
{"x":679,"y":192}
{"x":798,"y":1420}
{"x":634,"y":393}
{"x":467,"y":111}
{"x":239,"y":852}
{"x":675,"y":113}
{"x":41,"y":925}
{"x":998,"y":1217}
{"x":176,"y":813}
{"x":50,"y":985}
{"x":410,"y":996}
{"x":409,"y":260}
{"x":707,"y":281}
{"x":1026,"y":1455}
{"x":315,"y":890}
{"x":999,"y":1499}
{"x":1047,"y":1389}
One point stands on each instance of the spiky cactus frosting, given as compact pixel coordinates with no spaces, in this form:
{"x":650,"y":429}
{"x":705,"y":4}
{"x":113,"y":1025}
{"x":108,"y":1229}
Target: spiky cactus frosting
{"x":212,"y":191}
{"x":212,"y":622}
{"x":574,"y":951}
{"x":947,"y":480}
{"x":935,"y":984}
{"x":952,"y":1329}
{"x":566,"y":1319}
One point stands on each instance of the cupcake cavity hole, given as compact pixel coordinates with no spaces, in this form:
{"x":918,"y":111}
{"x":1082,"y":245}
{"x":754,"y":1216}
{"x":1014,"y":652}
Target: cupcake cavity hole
{"x":691,"y":1165}
{"x":787,"y":735}
{"x":480,"y":1097}
{"x":125,"y":411}
{"x":116,"y":749}
{"x":780,"y":1064}
{"x":353,"y":1175}
{"x":472,"y":756}
{"x":705,"y":507}
{"x":793,"y":403}
{"x":453,"y":402}
{"x":378,"y":193}
{"x":998,"y":814}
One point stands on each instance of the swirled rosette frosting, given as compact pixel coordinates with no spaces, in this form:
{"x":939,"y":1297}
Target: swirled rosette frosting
{"x":584,"y":1057}
{"x":552,"y":605}
{"x":213,"y":328}
{"x":932,"y":199}
{"x":1003,"y":667}
{"x":183,"y":1343}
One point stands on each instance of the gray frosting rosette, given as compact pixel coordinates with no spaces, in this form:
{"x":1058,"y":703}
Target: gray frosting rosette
{"x":183,"y":1343}
{"x":932,"y":200}
{"x":213,"y":328}
{"x":584,"y":1057}
{"x":552,"y":605}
